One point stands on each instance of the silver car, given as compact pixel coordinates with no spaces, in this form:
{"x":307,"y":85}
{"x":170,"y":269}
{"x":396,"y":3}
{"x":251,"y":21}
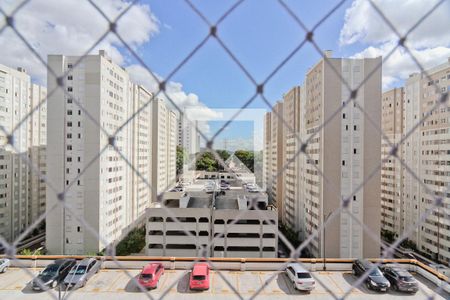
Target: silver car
{"x":82,"y":272}
{"x":4,"y":264}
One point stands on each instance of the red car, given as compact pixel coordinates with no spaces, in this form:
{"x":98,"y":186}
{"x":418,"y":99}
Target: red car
{"x":199,"y":279}
{"x":150,"y":275}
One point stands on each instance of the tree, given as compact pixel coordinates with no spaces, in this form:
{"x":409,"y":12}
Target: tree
{"x":27,"y":251}
{"x":132,"y":243}
{"x":247,"y":158}
{"x":206,"y":162}
{"x":181,"y":158}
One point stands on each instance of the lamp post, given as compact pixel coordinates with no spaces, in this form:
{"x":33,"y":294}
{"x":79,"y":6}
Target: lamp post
{"x":324,"y":249}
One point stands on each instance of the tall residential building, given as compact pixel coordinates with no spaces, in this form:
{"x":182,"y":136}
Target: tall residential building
{"x":274,"y":160}
{"x":429,"y":158}
{"x":291,"y":144}
{"x":37,"y":151}
{"x":87,"y":162}
{"x":164,"y":141}
{"x":391,"y":172}
{"x":188,"y":136}
{"x":342,"y":155}
{"x":22,"y":192}
{"x":338,"y":157}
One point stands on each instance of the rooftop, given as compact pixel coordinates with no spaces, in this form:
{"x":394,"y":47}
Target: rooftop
{"x":227,"y":279}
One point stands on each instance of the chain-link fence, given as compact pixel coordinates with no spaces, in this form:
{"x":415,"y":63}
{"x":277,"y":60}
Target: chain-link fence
{"x":309,"y":38}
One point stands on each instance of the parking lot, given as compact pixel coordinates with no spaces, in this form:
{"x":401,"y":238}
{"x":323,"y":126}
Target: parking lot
{"x":116,"y":284}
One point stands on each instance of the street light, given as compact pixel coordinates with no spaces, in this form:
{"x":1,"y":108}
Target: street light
{"x":324,"y":251}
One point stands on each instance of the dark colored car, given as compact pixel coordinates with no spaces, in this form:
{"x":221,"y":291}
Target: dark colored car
{"x":375,"y":280}
{"x":401,"y":280}
{"x":53,"y":274}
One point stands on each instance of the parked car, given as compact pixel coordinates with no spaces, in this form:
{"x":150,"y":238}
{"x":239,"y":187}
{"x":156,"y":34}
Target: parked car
{"x":199,"y":279}
{"x":150,"y":275}
{"x":4,"y":265}
{"x":300,"y":277}
{"x":401,"y":280}
{"x":224,"y":186}
{"x":82,"y":272}
{"x":375,"y":279}
{"x":53,"y":274}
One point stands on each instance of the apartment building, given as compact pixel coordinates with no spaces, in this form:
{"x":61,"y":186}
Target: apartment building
{"x":267,"y":152}
{"x":392,"y":170}
{"x":431,"y":162}
{"x":164,"y":141}
{"x":197,"y":225}
{"x":342,"y":155}
{"x":274,"y":160}
{"x":188,"y":136}
{"x":141,"y":133}
{"x":22,"y":156}
{"x":94,"y":133}
{"x":291,"y":144}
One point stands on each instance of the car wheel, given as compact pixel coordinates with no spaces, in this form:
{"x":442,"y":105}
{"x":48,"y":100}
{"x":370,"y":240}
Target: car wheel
{"x":367,"y":285}
{"x":5,"y":269}
{"x":54,"y":284}
{"x":395,"y":287}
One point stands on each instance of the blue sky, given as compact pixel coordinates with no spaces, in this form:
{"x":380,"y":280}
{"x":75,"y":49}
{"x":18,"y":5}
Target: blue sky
{"x":259,"y":32}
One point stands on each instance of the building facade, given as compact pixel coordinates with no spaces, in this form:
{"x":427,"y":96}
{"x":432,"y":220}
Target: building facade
{"x":337,"y":158}
{"x":22,"y":154}
{"x":291,"y":158}
{"x":101,"y":127}
{"x":392,"y":170}
{"x":164,"y":141}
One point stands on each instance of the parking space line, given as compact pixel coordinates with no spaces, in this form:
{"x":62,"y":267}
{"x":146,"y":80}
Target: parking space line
{"x":335,"y":283}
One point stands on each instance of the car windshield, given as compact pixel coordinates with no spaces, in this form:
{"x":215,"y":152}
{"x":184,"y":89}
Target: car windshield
{"x":2,"y":261}
{"x":146,"y":276}
{"x":303,"y":275}
{"x":199,"y":277}
{"x":407,"y":278}
{"x":376,"y":272}
{"x":80,"y":270}
{"x":50,"y":270}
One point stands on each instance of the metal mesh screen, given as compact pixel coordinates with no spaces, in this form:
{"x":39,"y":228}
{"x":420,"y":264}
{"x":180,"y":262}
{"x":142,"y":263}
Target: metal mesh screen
{"x":9,"y":23}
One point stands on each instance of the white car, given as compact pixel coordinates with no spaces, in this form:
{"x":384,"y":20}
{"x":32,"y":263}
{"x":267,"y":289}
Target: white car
{"x":4,"y":264}
{"x":300,"y":277}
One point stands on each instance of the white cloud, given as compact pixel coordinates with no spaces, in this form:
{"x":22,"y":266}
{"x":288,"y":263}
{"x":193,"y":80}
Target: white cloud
{"x":196,"y":110}
{"x":71,"y":27}
{"x":429,"y":42}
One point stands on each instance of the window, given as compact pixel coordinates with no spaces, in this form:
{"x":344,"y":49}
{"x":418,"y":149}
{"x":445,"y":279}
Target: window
{"x":69,"y":124}
{"x":354,"y":127}
{"x":69,"y":147}
{"x":343,"y":162}
{"x":79,"y":229}
{"x":69,"y":135}
{"x":69,"y":89}
{"x":69,"y":66}
{"x":343,"y":116}
{"x":70,"y":77}
{"x":354,"y":150}
{"x":69,"y":100}
{"x":69,"y":112}
{"x":69,"y":159}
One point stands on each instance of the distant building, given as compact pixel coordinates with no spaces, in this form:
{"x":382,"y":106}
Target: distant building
{"x":163,"y":146}
{"x":188,"y":136}
{"x":22,"y":163}
{"x":391,"y":172}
